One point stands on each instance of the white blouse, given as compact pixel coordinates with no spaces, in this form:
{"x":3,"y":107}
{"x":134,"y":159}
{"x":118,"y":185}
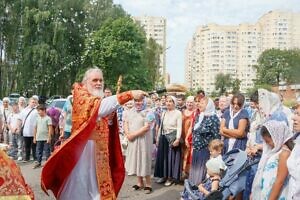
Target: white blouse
{"x":172,"y":120}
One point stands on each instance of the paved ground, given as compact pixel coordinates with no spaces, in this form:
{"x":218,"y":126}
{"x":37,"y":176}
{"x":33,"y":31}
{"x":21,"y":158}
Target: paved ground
{"x":32,"y":177}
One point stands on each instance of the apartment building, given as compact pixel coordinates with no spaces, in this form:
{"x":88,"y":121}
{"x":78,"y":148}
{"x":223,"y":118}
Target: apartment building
{"x":235,"y":49}
{"x":155,"y":28}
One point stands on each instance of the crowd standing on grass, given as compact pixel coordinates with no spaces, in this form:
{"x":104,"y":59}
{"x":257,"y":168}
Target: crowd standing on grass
{"x":183,"y":138}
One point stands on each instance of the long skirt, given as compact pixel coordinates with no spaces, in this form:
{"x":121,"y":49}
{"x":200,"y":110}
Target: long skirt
{"x":175,"y":163}
{"x":162,"y":164}
{"x":198,"y":168}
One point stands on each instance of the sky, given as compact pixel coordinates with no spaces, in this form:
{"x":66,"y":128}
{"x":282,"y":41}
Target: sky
{"x":184,"y":16}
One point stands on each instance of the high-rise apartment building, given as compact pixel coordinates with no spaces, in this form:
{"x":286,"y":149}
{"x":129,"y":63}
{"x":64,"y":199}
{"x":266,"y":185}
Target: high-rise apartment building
{"x":188,"y":76}
{"x":235,"y":49}
{"x":155,"y":28}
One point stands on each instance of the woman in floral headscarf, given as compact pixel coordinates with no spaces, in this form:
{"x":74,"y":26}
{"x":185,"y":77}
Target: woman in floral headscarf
{"x":272,"y":174}
{"x":205,"y":129}
{"x":137,"y":125}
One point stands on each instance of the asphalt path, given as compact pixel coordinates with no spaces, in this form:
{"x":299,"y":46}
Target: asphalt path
{"x":160,"y":192}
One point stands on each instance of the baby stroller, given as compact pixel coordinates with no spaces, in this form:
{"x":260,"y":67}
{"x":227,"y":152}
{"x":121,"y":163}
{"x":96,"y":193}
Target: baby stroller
{"x":234,"y":179}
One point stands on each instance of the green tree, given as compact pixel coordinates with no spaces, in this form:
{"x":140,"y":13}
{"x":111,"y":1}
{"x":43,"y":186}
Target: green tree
{"x":151,"y":59}
{"x":293,"y":58}
{"x":250,"y":91}
{"x":98,"y":11}
{"x":119,"y":48}
{"x":42,"y":42}
{"x":236,"y":84}
{"x":275,"y":65}
{"x":223,"y":82}
{"x":9,"y":28}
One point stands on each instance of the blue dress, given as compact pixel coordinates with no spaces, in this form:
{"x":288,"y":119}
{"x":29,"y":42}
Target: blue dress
{"x":240,"y":143}
{"x":202,"y":136}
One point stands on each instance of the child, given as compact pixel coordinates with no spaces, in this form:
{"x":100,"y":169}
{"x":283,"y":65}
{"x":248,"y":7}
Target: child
{"x":215,"y":148}
{"x":42,"y":135}
{"x":15,"y":139}
{"x":214,"y":169}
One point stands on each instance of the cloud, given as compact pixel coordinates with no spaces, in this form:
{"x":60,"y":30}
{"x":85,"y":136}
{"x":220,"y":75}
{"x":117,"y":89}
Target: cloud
{"x":184,"y":16}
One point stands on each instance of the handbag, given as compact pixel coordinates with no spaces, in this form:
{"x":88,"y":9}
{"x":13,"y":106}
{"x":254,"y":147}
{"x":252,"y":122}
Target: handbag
{"x":171,"y":137}
{"x":22,"y":127}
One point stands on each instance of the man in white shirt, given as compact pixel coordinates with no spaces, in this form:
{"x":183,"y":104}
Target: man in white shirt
{"x":27,"y":120}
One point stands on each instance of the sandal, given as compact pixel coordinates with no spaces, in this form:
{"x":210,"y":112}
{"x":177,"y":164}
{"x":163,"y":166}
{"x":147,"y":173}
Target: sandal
{"x":136,"y":187}
{"x":148,"y":190}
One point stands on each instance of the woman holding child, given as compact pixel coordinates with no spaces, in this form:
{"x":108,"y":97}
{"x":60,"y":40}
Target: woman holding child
{"x":205,"y":129}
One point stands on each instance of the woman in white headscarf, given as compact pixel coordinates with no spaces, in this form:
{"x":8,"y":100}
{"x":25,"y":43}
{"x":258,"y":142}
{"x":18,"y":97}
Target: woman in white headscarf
{"x":168,"y":162}
{"x":139,"y":150}
{"x":205,"y":129}
{"x":269,"y":108}
{"x":271,"y":179}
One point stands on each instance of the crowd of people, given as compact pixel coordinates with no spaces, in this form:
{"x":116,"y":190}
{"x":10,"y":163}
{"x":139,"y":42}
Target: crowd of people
{"x":31,"y":129}
{"x":190,"y":136}
{"x":182,"y":138}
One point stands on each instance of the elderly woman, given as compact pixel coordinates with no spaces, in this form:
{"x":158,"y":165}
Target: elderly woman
{"x":293,"y":161}
{"x":235,"y":124}
{"x":139,"y":150}
{"x":205,"y":129}
{"x":271,"y":179}
{"x":223,"y":105}
{"x":187,"y":116}
{"x":21,"y":103}
{"x":168,"y":162}
{"x":6,"y":112}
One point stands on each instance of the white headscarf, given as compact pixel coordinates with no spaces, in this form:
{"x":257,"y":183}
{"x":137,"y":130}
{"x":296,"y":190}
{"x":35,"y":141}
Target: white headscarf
{"x":280,"y":133}
{"x":269,"y":102}
{"x":209,"y":110}
{"x":174,"y":100}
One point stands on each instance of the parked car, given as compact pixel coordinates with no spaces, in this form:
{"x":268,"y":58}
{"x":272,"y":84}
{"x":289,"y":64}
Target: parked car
{"x":54,"y":97}
{"x":13,"y":97}
{"x":57,"y":103}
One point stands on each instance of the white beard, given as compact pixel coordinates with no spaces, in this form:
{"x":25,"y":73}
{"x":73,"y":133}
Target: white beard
{"x":96,"y":92}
